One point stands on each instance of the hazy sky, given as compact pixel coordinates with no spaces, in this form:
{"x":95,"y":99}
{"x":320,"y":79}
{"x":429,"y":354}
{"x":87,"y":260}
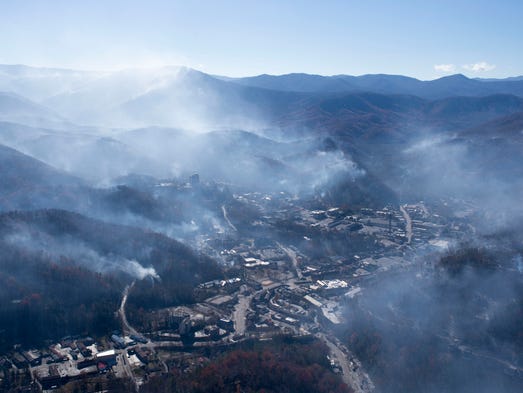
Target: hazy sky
{"x":424,"y":39}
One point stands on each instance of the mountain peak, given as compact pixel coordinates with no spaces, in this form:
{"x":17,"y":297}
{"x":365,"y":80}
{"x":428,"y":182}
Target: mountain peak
{"x":455,"y":77}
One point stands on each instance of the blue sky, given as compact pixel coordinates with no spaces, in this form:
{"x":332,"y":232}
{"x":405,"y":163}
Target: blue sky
{"x":424,"y":39}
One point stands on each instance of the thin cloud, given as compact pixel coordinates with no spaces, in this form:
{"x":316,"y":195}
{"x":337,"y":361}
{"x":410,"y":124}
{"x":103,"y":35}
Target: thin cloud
{"x":445,"y":68}
{"x":481,"y":66}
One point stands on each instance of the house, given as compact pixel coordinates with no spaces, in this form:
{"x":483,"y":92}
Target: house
{"x":118,"y":341}
{"x":105,"y":360}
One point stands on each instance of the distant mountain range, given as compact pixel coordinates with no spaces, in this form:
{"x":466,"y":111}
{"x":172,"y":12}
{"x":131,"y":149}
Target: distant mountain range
{"x":453,"y":85}
{"x":261,"y":131}
{"x":40,"y":84}
{"x":186,"y":98}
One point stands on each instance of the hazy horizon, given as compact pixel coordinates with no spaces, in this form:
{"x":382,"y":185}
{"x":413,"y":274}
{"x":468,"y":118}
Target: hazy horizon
{"x":242,"y":39}
{"x":297,"y":72}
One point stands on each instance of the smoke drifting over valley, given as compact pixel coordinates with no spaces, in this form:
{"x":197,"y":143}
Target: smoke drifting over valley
{"x":377,"y":214}
{"x":443,"y":329}
{"x":483,"y":170}
{"x":76,"y":252}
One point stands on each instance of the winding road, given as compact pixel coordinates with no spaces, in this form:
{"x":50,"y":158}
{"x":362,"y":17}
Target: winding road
{"x":226,"y":217}
{"x":292,"y":255}
{"x":353,"y":374}
{"x":126,"y":327}
{"x":408,"y":224}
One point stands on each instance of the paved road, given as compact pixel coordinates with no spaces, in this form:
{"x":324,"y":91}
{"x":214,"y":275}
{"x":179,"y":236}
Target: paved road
{"x":243,"y":305}
{"x":240,"y":312}
{"x":292,"y":255}
{"x":353,"y":373}
{"x":123,"y":368}
{"x":408,"y":224}
{"x":226,"y":217}
{"x":126,"y":327}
